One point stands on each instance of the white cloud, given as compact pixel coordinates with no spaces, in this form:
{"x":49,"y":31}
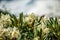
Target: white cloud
{"x":46,"y":7}
{"x":38,"y":7}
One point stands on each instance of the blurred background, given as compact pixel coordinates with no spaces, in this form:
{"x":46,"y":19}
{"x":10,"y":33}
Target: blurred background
{"x":39,"y":7}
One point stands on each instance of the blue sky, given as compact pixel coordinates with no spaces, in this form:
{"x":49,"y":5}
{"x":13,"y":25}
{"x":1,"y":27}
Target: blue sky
{"x":38,"y":7}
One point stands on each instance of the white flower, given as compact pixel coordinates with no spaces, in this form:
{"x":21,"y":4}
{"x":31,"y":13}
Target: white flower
{"x":15,"y":33}
{"x":4,"y":32}
{"x":1,"y":30}
{"x":41,"y":26}
{"x":33,"y":16}
{"x":5,"y":20}
{"x":46,"y":30}
{"x":29,"y":20}
{"x":36,"y":38}
{"x":58,"y":21}
{"x":5,"y":17}
{"x":9,"y":32}
{"x":44,"y":19}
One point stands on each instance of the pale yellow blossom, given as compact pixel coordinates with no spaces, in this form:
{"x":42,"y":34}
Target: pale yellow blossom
{"x":46,"y":30}
{"x":5,"y":20}
{"x":15,"y":33}
{"x":36,"y":38}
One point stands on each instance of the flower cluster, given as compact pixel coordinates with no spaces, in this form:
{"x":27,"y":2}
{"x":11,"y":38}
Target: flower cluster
{"x":29,"y":27}
{"x":5,"y":20}
{"x":6,"y":30}
{"x":9,"y":32}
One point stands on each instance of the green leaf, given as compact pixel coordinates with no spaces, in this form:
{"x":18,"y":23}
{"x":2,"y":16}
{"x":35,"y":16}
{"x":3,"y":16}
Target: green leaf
{"x":40,"y":34}
{"x":21,"y":18}
{"x":14,"y":21}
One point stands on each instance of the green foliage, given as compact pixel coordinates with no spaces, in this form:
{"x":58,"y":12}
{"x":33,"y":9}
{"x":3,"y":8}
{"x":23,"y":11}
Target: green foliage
{"x":30,"y":31}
